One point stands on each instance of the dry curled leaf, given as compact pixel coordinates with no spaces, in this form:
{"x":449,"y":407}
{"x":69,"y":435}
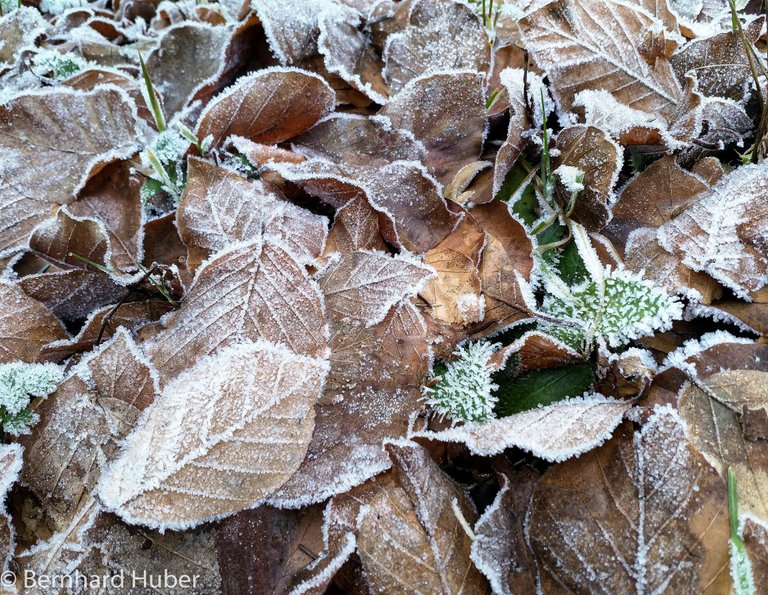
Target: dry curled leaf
{"x":10,"y":466}
{"x":267,"y":107}
{"x":248,"y":417}
{"x":643,"y":511}
{"x":50,"y":144}
{"x":26,"y":325}
{"x":219,"y":208}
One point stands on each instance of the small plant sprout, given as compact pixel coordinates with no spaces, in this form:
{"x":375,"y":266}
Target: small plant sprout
{"x":741,"y":567}
{"x":19,"y":384}
{"x":615,"y":305}
{"x":465,"y":392}
{"x":58,"y":65}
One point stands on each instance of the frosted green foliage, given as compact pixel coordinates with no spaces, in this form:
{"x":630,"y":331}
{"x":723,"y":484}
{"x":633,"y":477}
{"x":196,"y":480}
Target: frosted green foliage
{"x":164,"y":157}
{"x":57,"y":7}
{"x":621,"y":307}
{"x":741,"y":568}
{"x":7,"y":7}
{"x":60,"y":65}
{"x":465,"y":390}
{"x":168,"y":146}
{"x":19,"y":384}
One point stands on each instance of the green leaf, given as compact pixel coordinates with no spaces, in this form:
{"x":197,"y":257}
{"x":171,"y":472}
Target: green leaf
{"x":570,"y":265}
{"x":541,"y":387}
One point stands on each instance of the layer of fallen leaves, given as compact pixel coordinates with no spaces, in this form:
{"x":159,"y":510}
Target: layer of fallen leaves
{"x":249,"y":295}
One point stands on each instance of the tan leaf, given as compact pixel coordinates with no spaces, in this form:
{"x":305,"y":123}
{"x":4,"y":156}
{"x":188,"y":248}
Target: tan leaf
{"x":355,"y":227}
{"x":349,"y":54}
{"x":592,"y":151}
{"x":65,"y":238}
{"x":499,"y":549}
{"x":267,"y":107}
{"x":364,"y":285}
{"x":534,"y":351}
{"x":755,"y":536}
{"x":50,"y":144}
{"x":291,"y":28}
{"x":10,"y":467}
{"x":97,"y":544}
{"x":445,"y":111}
{"x":724,"y":233}
{"x":112,"y":197}
{"x":219,"y":208}
{"x":506,"y":259}
{"x":18,"y":30}
{"x":162,"y":245}
{"x":243,"y":294}
{"x":645,"y":511}
{"x":584,"y":43}
{"x":423,"y":44}
{"x":82,"y":424}
{"x":220,"y":438}
{"x":26,"y":325}
{"x":555,"y":433}
{"x":365,"y":401}
{"x":714,"y":429}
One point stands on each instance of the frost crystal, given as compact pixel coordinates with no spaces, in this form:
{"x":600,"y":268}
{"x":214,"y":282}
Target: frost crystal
{"x":57,"y":7}
{"x":168,"y":146}
{"x":624,"y":307}
{"x":571,"y":177}
{"x":20,"y":382}
{"x":465,"y":391}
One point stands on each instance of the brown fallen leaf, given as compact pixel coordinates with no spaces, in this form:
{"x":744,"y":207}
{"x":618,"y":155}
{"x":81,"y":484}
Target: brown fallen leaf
{"x":724,"y":232}
{"x":267,"y":107}
{"x":10,"y":467}
{"x":248,"y":416}
{"x":355,"y":227}
{"x":82,"y":424}
{"x":365,"y":401}
{"x":755,"y":535}
{"x":534,"y":351}
{"x":219,"y":208}
{"x":255,"y":291}
{"x":47,"y":159}
{"x":600,"y":158}
{"x":711,"y":412}
{"x":575,"y":43}
{"x":18,"y":30}
{"x":423,"y":46}
{"x":291,"y":28}
{"x":643,"y":511}
{"x":555,"y":433}
{"x":445,"y":111}
{"x":500,"y":550}
{"x":26,"y":325}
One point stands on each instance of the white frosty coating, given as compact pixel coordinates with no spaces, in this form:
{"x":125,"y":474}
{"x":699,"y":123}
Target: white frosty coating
{"x":696,"y":310}
{"x":554,"y":433}
{"x":19,"y":384}
{"x":519,"y":343}
{"x":322,"y":578}
{"x":465,"y":391}
{"x":193,"y":417}
{"x":678,"y":358}
{"x":706,"y":235}
{"x":604,"y":111}
{"x":57,"y":7}
{"x":571,"y":177}
{"x":27,"y":20}
{"x":471,"y":307}
{"x":243,"y":81}
{"x":10,"y":473}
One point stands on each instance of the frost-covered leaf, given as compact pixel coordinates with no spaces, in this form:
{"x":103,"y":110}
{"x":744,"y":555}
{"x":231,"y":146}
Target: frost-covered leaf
{"x":255,"y":291}
{"x":364,"y":285}
{"x":645,"y":512}
{"x":455,"y":294}
{"x":725,"y":232}
{"x":19,"y":30}
{"x":445,"y":112}
{"x":592,"y":151}
{"x":505,"y":261}
{"x":366,"y":400}
{"x":10,"y":466}
{"x":26,"y":325}
{"x":50,"y":144}
{"x":169,"y":66}
{"x":499,"y":549}
{"x":537,"y":388}
{"x":82,"y":425}
{"x":555,"y":433}
{"x":267,"y":107}
{"x":219,"y":208}
{"x":220,"y":438}
{"x":349,"y":54}
{"x":533,"y":351}
{"x":712,"y":414}
{"x":355,"y":227}
{"x":423,"y":45}
{"x":97,"y":544}
{"x":583,"y":44}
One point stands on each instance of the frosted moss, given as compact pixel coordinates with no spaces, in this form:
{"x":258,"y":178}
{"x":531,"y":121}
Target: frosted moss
{"x":19,"y":384}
